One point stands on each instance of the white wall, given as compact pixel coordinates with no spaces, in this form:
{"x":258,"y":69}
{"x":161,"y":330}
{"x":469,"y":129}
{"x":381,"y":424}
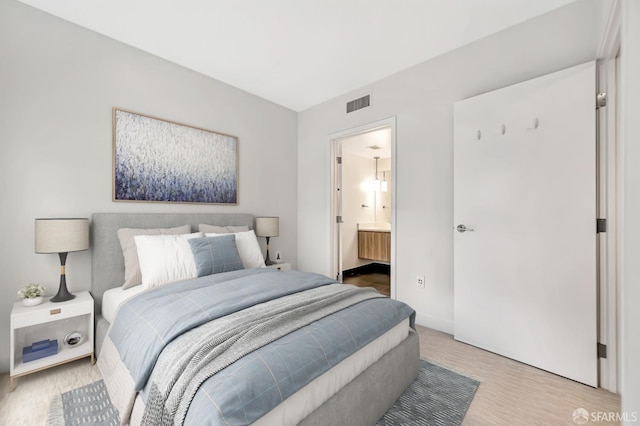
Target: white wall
{"x":629,"y":90}
{"x":421,"y":99}
{"x":58,"y":83}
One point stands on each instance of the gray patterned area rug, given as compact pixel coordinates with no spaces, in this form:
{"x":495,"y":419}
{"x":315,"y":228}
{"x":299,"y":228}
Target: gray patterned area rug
{"x":86,"y":405}
{"x":437,"y":397}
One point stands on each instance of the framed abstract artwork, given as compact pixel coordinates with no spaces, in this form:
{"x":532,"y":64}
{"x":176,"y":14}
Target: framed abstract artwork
{"x":157,"y":160}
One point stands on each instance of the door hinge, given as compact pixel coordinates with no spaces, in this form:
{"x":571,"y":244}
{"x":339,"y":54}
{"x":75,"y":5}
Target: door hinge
{"x":601,"y":100}
{"x":602,"y":350}
{"x":601,"y":225}
{"x":339,"y":160}
{"x":339,"y":219}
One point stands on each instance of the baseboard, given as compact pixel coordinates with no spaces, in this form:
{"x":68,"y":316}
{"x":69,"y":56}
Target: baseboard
{"x":371,"y":268}
{"x":446,"y":326}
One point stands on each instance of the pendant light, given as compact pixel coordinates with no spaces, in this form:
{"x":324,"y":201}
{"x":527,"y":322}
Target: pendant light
{"x":378,"y":185}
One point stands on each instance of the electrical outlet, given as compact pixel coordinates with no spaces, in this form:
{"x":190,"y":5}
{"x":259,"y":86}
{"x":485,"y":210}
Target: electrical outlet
{"x":420,"y":281}
{"x":278,"y":256}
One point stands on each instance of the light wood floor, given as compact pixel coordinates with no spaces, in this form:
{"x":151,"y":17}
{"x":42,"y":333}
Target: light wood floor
{"x":510,"y":393}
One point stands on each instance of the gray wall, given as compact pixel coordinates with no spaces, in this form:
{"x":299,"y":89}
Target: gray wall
{"x":421,"y":99}
{"x":58,"y":83}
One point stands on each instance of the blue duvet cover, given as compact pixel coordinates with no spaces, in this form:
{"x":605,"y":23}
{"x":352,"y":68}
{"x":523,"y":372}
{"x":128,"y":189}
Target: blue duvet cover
{"x":250,"y":387}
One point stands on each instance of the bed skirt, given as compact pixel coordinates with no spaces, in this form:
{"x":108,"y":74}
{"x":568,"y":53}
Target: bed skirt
{"x":365,"y":400}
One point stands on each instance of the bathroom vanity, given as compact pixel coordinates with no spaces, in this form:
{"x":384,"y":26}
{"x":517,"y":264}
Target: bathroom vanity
{"x":374,"y":241}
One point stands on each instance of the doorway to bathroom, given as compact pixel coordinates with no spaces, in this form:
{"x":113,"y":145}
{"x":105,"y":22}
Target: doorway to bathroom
{"x":363,"y":206}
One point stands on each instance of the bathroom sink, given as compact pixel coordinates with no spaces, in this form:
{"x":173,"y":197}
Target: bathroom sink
{"x":375,"y":227}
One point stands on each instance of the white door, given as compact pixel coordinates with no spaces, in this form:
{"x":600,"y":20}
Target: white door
{"x":525,"y":183}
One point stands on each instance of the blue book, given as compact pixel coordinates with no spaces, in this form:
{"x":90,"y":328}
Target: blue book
{"x":38,"y":346}
{"x":39,"y":350}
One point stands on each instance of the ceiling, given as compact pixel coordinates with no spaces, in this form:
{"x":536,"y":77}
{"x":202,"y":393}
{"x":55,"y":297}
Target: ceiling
{"x":297,"y":53}
{"x":376,"y":143}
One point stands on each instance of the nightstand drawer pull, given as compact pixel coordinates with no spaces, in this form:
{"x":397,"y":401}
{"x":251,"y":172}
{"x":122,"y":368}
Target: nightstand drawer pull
{"x":55,"y":311}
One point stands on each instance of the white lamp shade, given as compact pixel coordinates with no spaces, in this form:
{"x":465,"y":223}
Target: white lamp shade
{"x":61,"y":235}
{"x":267,"y":226}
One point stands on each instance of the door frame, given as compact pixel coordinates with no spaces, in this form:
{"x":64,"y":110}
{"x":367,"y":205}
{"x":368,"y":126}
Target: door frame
{"x":334,"y":140}
{"x":610,"y":169}
{"x":607,"y":245}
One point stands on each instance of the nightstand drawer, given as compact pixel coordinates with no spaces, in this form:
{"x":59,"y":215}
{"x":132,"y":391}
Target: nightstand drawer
{"x":49,"y":311}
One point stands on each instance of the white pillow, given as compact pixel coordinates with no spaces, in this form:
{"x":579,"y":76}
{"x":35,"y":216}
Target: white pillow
{"x":248,"y":248}
{"x":132,"y":276}
{"x":165,"y":258}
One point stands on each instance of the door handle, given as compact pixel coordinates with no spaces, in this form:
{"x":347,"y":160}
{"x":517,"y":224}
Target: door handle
{"x":463,"y":228}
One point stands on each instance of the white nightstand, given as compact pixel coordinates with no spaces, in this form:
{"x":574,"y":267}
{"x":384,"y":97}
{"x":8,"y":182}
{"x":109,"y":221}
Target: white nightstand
{"x":50,"y":321}
{"x":280,"y":266}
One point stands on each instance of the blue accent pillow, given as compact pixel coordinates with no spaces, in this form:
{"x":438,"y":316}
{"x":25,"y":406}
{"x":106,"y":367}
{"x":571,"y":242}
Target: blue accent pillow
{"x":215,"y":254}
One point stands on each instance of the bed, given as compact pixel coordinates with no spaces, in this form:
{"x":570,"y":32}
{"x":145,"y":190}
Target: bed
{"x":357,"y":390}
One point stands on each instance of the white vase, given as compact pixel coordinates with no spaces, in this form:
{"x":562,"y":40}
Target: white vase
{"x":32,"y":302}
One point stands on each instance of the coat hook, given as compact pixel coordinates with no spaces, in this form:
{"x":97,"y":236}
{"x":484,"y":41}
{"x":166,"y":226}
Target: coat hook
{"x":479,"y":135}
{"x":536,"y":124}
{"x":503,"y":129}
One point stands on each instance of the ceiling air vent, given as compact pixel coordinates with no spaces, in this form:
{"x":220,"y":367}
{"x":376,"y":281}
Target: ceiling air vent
{"x":357,"y":104}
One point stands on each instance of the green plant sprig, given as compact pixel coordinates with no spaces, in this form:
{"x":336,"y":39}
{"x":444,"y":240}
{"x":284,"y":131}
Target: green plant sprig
{"x":31,"y":291}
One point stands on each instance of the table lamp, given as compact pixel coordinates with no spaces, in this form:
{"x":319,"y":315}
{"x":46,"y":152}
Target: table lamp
{"x":61,"y":236}
{"x":267,"y":227}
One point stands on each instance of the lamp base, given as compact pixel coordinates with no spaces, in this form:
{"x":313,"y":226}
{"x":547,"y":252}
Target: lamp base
{"x":63,"y":294}
{"x":268,"y":261}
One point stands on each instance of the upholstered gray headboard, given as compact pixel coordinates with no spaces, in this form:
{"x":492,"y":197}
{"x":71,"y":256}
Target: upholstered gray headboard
{"x":107,"y":263}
